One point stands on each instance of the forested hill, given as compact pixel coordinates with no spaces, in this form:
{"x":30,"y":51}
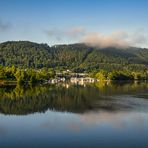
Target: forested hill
{"x":74,"y":56}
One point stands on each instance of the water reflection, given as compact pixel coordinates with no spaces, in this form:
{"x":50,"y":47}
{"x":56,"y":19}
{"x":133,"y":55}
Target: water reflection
{"x":21,"y":100}
{"x":64,"y":115}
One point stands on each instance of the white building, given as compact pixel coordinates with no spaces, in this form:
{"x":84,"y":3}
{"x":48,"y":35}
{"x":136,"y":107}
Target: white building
{"x":82,"y":80}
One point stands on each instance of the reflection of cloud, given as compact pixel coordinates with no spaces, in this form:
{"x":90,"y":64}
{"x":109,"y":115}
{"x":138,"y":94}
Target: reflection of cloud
{"x":117,"y":119}
{"x":68,"y":121}
{"x":79,"y":122}
{"x":74,"y":127}
{"x":4,"y":26}
{"x":2,"y":130}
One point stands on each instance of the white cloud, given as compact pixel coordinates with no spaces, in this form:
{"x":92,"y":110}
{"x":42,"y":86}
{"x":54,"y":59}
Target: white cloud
{"x":119,"y":38}
{"x":116,"y":39}
{"x":59,"y":34}
{"x":138,"y":37}
{"x":4,"y":26}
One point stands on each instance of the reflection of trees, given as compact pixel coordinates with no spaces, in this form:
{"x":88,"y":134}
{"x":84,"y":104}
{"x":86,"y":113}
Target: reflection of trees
{"x":22,"y":100}
{"x":30,"y":99}
{"x":19,"y":91}
{"x":118,"y":88}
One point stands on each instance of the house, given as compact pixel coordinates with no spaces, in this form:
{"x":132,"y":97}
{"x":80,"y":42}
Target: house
{"x":82,"y":80}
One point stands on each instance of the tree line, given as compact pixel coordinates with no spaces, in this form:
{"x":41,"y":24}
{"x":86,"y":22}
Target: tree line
{"x":120,"y":75}
{"x":28,"y":75}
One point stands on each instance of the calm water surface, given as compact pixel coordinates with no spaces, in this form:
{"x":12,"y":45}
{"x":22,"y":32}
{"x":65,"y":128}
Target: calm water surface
{"x":65,"y":115}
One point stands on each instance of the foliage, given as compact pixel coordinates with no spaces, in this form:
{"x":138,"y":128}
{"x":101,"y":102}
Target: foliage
{"x":101,"y":75}
{"x":76,"y":57}
{"x":121,"y":75}
{"x":25,"y":75}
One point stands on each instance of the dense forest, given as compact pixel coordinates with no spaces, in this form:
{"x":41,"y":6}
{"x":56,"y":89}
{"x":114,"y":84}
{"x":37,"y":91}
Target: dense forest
{"x":76,"y":57}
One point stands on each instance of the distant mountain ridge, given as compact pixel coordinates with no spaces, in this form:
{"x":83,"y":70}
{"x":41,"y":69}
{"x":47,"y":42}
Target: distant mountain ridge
{"x":79,"y":57}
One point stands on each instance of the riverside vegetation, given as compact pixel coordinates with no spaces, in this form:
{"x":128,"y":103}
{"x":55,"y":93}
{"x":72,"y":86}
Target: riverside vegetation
{"x":22,"y":76}
{"x":27,"y":62}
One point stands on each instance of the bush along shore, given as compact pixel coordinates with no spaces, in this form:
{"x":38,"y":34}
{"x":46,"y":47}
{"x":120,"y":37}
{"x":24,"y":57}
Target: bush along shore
{"x":24,"y":76}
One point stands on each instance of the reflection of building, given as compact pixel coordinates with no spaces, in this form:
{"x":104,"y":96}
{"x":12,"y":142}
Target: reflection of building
{"x":66,"y":85}
{"x":82,"y":80}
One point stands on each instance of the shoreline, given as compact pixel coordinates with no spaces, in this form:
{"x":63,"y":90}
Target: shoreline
{"x":13,"y":82}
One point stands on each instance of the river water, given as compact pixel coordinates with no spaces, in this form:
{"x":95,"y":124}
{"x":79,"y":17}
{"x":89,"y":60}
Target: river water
{"x":73,"y":116}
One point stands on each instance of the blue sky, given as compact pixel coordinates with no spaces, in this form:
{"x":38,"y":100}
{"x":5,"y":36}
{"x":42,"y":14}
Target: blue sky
{"x":68,"y":21}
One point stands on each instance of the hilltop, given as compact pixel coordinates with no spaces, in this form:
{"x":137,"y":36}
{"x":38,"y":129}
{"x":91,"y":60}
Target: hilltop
{"x":77,"y":57}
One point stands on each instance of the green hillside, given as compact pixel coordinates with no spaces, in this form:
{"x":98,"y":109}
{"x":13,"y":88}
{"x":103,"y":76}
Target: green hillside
{"x":74,"y":56}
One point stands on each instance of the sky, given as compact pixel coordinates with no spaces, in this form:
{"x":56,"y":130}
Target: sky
{"x":97,"y":22}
